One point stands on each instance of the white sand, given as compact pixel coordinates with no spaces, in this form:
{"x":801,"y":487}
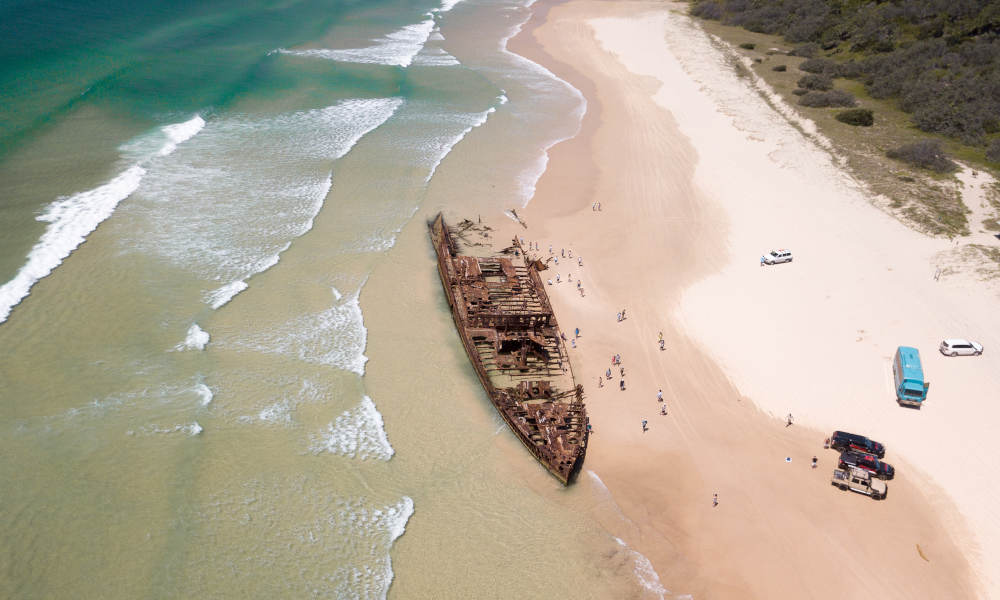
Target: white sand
{"x":815,"y":337}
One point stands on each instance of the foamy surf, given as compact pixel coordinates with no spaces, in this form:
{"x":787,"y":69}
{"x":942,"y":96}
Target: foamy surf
{"x":70,"y":220}
{"x":190,"y":429}
{"x":644,"y":571}
{"x":336,"y":337}
{"x":383,"y":527}
{"x":219,"y":297}
{"x":397,"y":48}
{"x":285,"y":159}
{"x":542,"y":80}
{"x":196,"y":339}
{"x":472,"y":121}
{"x":356,"y":433}
{"x":205,"y":394}
{"x":178,"y":133}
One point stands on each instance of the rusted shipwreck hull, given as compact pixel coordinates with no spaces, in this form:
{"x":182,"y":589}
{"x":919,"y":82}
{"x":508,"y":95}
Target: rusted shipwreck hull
{"x":511,"y":336}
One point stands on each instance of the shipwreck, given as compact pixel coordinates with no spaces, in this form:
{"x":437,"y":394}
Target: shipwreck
{"x":510,"y":333}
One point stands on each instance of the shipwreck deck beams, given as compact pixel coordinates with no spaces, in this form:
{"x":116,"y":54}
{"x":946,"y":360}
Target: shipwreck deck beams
{"x":511,"y":336}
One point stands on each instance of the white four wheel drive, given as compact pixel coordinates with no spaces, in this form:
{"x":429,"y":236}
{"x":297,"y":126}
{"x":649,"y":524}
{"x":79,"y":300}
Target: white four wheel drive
{"x":777,"y":256}
{"x":954,"y":347}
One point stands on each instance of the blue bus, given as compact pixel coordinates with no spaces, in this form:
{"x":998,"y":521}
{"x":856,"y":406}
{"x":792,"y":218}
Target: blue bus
{"x":911,"y":389}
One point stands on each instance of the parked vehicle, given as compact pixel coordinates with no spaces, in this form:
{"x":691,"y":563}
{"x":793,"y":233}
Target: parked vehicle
{"x":954,"y":347}
{"x":866,"y":462}
{"x":841,"y":440}
{"x":908,"y":374}
{"x":859,"y":481}
{"x":777,"y":256}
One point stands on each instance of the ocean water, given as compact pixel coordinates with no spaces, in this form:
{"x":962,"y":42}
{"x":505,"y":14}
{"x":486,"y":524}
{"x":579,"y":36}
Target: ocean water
{"x":226,"y":364}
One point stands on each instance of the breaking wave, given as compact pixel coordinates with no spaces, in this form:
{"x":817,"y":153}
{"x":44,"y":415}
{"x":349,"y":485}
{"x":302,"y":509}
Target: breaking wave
{"x":71,"y":219}
{"x":336,"y":336}
{"x":197,"y":338}
{"x":397,"y":48}
{"x":357,"y":433}
{"x":644,"y":571}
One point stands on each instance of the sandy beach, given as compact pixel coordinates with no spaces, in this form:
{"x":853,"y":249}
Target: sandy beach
{"x":696,"y":176}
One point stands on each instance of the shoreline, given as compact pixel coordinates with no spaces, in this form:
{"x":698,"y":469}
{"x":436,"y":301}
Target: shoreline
{"x":712,"y":440}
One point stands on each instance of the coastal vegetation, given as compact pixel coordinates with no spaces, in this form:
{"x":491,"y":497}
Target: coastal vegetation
{"x":919,"y":79}
{"x":938,"y":59}
{"x":856,"y":116}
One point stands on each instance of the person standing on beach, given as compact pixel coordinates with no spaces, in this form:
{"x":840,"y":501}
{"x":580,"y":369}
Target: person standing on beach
{"x":623,"y":314}
{"x":621,"y":385}
{"x":715,"y":499}
{"x":579,"y":261}
{"x":609,"y":372}
{"x":788,"y":422}
{"x":644,"y":428}
{"x":659,"y":396}
{"x":577,"y":332}
{"x":600,"y":382}
{"x":619,"y":317}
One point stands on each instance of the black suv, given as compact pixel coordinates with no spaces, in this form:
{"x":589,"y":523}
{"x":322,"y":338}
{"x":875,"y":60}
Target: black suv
{"x":841,"y":440}
{"x":867,"y":462}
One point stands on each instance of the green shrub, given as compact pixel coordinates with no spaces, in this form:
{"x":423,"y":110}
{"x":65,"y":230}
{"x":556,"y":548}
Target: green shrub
{"x":856,"y":116}
{"x":707,"y":10}
{"x":748,"y":46}
{"x":993,"y":152}
{"x":819,"y":65}
{"x":926,"y":154}
{"x":800,"y":92}
{"x":824,"y":99}
{"x":805,"y":50}
{"x":814,"y":81}
{"x":780,"y":68}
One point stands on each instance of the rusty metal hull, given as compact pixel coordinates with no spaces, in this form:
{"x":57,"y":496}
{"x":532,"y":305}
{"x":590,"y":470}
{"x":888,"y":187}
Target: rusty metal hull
{"x":507,"y":327}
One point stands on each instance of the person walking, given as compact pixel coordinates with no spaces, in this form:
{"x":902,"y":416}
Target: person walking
{"x":788,"y":420}
{"x":600,"y":382}
{"x":609,"y":372}
{"x":644,"y":428}
{"x":715,"y":499}
{"x":621,"y":385}
{"x":663,"y":409}
{"x":577,"y":332}
{"x":659,"y":396}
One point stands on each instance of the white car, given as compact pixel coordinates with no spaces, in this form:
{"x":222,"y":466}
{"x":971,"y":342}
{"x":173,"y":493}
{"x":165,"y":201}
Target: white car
{"x":777,"y":256}
{"x":954,"y":347}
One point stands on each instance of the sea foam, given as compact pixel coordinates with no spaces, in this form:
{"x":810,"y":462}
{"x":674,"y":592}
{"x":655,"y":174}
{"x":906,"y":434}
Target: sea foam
{"x":336,"y":336}
{"x":397,"y":48}
{"x":194,"y":210}
{"x":178,"y":133}
{"x":196,"y":339}
{"x":357,"y":433}
{"x":70,"y":220}
{"x":472,"y":121}
{"x":644,"y":571}
{"x":204,"y":393}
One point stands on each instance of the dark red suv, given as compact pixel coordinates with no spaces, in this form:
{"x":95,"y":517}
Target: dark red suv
{"x":869,"y":463}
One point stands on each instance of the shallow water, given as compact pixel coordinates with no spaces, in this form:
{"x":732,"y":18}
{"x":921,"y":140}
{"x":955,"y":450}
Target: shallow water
{"x":227,"y":367}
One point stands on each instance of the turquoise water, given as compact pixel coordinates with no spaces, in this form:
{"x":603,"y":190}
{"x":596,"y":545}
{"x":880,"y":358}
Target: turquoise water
{"x":218,"y":306}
